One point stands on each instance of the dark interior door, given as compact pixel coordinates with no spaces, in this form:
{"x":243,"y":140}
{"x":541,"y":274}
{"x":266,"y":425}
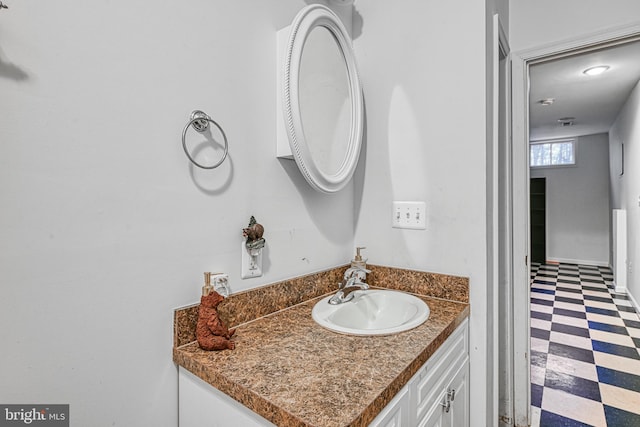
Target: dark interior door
{"x":537,"y":205}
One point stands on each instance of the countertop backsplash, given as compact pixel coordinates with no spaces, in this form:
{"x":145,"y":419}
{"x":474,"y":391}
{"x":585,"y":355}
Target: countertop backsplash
{"x":255,"y":303}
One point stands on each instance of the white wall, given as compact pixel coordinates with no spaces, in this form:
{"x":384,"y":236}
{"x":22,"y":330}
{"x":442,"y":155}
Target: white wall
{"x":424,"y":78}
{"x":537,"y":23}
{"x":577,"y":202}
{"x":626,"y":188}
{"x":105,"y":227}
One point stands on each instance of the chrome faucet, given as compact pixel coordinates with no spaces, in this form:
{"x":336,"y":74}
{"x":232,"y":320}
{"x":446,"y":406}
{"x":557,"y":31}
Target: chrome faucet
{"x":353,"y":281}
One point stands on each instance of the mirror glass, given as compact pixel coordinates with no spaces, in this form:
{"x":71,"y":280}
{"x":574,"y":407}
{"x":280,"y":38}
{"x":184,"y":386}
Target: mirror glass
{"x":325,"y":102}
{"x":323,"y":108}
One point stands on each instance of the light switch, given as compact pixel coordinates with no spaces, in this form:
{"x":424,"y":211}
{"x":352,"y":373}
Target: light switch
{"x":411,"y":215}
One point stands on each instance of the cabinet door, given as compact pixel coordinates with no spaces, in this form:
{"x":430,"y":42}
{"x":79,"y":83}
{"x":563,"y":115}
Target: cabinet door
{"x":436,"y":416}
{"x":396,"y":413}
{"x":201,"y":405}
{"x":458,"y":415}
{"x":451,"y":407}
{"x":431,"y":381}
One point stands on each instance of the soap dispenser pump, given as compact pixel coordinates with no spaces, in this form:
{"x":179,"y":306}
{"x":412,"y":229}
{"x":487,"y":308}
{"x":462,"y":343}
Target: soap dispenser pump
{"x":358,"y":261}
{"x":207,"y":288}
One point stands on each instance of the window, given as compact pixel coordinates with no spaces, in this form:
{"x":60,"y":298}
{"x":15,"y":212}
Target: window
{"x":552,"y":153}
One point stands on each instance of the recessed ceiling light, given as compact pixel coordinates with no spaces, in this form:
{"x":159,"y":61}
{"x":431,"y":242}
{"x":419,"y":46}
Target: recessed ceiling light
{"x":594,"y":71}
{"x":547,"y":101}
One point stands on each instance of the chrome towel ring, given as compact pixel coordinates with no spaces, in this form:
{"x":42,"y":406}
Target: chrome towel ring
{"x":199,"y":120}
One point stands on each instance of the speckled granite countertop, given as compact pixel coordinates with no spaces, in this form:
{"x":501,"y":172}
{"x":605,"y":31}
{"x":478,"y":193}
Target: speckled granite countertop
{"x":295,"y":373}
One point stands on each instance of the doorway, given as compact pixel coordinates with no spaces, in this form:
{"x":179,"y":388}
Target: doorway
{"x":538,"y":219}
{"x":521,"y":260}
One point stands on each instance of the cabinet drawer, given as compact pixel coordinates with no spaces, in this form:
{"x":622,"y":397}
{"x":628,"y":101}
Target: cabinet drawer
{"x":429,"y":383}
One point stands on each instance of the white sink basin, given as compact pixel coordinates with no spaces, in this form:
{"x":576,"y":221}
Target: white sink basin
{"x":372,"y":312}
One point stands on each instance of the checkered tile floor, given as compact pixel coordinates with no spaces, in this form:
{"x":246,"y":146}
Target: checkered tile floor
{"x":585,"y":349}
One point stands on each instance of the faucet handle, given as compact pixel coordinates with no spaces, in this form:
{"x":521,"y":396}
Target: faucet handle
{"x":355,"y":273}
{"x":355,"y":269}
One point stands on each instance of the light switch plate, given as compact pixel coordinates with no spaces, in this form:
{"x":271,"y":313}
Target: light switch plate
{"x":410,"y":215}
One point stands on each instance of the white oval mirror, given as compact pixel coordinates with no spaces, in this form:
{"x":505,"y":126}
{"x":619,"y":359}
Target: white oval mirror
{"x":322,"y":99}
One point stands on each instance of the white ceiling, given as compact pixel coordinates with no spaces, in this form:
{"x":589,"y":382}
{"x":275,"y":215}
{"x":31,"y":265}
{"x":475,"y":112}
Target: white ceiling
{"x":594,"y":101}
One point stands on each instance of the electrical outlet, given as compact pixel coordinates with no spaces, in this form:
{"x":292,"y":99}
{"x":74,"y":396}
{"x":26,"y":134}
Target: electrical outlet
{"x":220,"y":282}
{"x":251,"y":262}
{"x":411,"y":215}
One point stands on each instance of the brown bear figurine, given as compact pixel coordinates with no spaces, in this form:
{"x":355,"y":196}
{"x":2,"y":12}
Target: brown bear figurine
{"x":211,"y":332}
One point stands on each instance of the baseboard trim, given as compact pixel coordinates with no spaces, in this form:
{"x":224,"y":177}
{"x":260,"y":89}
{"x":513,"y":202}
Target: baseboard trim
{"x":633,"y":301}
{"x":619,"y":289}
{"x":580,"y":261}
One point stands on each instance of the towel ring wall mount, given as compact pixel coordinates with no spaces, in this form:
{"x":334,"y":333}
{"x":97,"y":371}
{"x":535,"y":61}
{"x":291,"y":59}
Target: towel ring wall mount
{"x":199,"y":121}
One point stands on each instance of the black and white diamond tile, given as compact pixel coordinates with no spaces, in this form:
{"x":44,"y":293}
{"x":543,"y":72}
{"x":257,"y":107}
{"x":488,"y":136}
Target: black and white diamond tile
{"x":585,"y":349}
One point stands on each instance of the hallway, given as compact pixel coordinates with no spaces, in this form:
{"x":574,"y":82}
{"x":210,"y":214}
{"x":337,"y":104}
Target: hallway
{"x":585,"y":349}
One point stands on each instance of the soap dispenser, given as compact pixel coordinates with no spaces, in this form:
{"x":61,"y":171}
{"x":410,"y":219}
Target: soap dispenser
{"x":358,"y":261}
{"x":207,"y":288}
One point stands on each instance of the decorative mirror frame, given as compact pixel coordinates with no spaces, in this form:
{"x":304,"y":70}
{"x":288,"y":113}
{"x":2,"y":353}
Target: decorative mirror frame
{"x":307,"y":19}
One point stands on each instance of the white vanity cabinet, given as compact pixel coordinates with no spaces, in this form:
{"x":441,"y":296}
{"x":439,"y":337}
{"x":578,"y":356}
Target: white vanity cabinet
{"x":396,"y":413}
{"x":201,"y":405}
{"x":438,"y":394}
{"x":439,"y":390}
{"x":451,"y":407}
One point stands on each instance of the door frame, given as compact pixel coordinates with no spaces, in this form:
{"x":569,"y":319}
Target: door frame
{"x":520,"y":63}
{"x":502,"y":223}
